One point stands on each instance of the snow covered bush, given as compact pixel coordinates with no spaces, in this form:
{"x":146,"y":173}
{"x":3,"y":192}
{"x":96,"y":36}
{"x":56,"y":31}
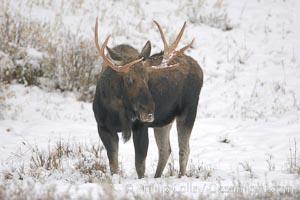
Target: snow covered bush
{"x":73,"y":66}
{"x":19,"y":59}
{"x":33,"y":55}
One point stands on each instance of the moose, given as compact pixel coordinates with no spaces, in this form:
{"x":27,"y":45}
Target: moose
{"x":136,"y":91}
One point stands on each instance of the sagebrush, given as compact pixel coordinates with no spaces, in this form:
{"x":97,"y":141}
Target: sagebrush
{"x":34,"y":53}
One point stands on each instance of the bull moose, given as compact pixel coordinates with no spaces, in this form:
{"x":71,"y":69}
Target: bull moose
{"x":136,"y":91}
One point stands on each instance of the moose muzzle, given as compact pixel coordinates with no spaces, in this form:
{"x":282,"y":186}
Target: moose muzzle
{"x":147,"y":117}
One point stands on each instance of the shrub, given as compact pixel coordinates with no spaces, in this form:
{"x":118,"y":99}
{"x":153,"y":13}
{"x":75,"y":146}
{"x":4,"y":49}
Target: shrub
{"x":31,"y":54}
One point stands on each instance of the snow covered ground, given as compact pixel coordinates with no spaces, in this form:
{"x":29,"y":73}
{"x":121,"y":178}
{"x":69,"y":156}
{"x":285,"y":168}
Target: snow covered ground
{"x":247,"y":132}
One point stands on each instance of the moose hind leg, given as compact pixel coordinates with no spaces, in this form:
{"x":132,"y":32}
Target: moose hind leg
{"x":185,"y":124}
{"x":162,"y":137}
{"x":141,"y":141}
{"x":111,"y":143}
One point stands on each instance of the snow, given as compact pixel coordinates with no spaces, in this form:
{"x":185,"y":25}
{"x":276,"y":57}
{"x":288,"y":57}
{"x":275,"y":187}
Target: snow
{"x":249,"y":108}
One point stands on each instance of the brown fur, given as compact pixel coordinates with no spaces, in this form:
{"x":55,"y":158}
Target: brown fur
{"x":137,"y":97}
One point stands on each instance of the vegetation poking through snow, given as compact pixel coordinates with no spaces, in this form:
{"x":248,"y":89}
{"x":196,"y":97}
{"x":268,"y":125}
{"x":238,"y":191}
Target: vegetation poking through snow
{"x":216,"y":17}
{"x":270,"y":163}
{"x":202,"y":171}
{"x":293,"y":162}
{"x":72,"y":163}
{"x":171,"y":168}
{"x":248,"y":168}
{"x":33,"y":53}
{"x":2,"y":100}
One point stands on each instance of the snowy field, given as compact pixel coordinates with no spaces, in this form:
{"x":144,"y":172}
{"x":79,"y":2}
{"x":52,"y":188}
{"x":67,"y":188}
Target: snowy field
{"x":246,"y":138}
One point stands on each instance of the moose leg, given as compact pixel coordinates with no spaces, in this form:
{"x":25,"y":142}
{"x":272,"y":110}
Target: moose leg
{"x":164,"y":148}
{"x":185,"y":124}
{"x":111,"y":143}
{"x":184,"y":134}
{"x":141,"y":141}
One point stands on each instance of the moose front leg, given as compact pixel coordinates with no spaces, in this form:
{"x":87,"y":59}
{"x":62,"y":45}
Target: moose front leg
{"x":111,"y":143}
{"x":141,"y":141}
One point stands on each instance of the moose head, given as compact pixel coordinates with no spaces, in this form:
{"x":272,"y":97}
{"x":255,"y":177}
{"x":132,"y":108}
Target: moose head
{"x":135,"y":72}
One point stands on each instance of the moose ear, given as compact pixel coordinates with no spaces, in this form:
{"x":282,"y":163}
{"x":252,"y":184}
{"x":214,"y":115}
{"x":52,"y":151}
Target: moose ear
{"x":114,"y":57}
{"x":146,"y":50}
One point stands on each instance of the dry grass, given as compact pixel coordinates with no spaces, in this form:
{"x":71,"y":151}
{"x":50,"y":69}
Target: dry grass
{"x":210,"y":15}
{"x":71,"y":163}
{"x":202,"y":171}
{"x":293,"y":161}
{"x":75,"y":164}
{"x":248,"y":168}
{"x":32,"y":53}
{"x":84,"y":160}
{"x":171,"y":169}
{"x":270,"y":163}
{"x":28,"y":191}
{"x":2,"y":100}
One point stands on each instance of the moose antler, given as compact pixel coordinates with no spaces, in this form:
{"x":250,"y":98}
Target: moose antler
{"x":107,"y":60}
{"x":170,"y":52}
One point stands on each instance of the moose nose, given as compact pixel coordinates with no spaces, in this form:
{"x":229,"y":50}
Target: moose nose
{"x":150,"y":117}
